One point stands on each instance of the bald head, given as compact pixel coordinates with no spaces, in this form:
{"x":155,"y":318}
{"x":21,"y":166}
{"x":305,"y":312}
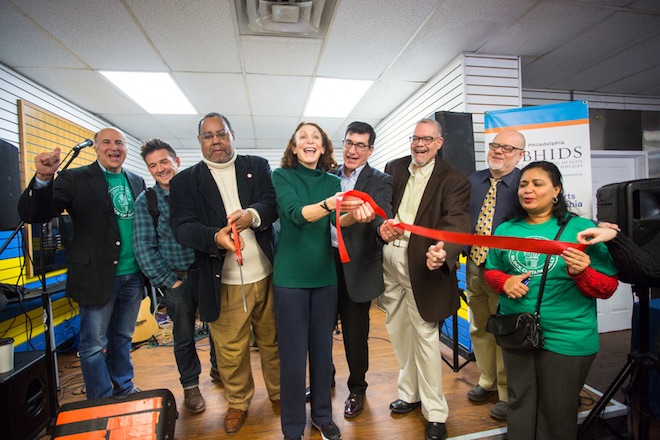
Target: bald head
{"x":500,"y":161}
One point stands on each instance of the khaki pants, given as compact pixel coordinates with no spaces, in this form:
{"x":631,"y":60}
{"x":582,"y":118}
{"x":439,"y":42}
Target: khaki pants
{"x":482,"y":302}
{"x":231,"y":335}
{"x":416,"y":342}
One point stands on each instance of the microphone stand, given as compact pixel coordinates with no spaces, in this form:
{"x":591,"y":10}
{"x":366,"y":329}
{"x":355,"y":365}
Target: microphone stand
{"x":49,"y":333}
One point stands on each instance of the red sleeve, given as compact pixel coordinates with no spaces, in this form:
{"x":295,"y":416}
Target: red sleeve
{"x":594,"y":284}
{"x":496,"y":279}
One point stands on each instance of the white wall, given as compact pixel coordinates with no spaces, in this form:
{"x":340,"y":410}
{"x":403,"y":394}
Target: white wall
{"x":470,"y":83}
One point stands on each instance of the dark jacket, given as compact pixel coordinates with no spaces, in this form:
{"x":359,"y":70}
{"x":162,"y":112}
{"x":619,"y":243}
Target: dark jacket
{"x":445,"y":205}
{"x":364,"y":273}
{"x":94,"y":253}
{"x":197,"y":213}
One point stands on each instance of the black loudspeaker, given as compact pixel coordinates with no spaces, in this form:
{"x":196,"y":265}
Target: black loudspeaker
{"x":634,"y":206}
{"x":24,"y":397}
{"x":458,"y":148}
{"x":10,"y":183}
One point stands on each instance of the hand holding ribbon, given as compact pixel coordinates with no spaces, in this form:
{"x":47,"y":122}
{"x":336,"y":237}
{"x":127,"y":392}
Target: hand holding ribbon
{"x":512,"y":243}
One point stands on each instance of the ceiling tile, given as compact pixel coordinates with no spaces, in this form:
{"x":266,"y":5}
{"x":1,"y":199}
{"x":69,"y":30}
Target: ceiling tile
{"x":589,"y":48}
{"x":620,"y":65}
{"x":215,"y":92}
{"x":543,"y":27}
{"x":143,"y":127}
{"x":358,"y":49}
{"x":19,"y":33}
{"x":181,"y":126}
{"x":635,"y":84}
{"x":275,"y":127}
{"x":272,"y":95}
{"x":453,"y":28}
{"x":186,"y":42}
{"x":102,"y":33}
{"x":383,"y":98}
{"x":86,"y":88}
{"x":280,"y":55}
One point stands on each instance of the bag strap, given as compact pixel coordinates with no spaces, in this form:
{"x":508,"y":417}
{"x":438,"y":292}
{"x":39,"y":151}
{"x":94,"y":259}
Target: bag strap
{"x":546,"y":265}
{"x":152,"y":206}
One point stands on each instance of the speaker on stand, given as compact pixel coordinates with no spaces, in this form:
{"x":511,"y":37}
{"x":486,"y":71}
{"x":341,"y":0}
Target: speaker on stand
{"x":11,"y":186}
{"x":25,"y":407}
{"x":458,"y":133}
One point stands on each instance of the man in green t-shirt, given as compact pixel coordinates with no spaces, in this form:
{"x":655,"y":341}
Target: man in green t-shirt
{"x":103,"y":276}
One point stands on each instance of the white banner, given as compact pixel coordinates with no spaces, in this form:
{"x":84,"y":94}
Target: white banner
{"x":558,"y":133}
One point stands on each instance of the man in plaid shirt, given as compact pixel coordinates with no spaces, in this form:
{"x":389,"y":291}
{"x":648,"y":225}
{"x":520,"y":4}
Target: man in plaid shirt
{"x":167,"y":264}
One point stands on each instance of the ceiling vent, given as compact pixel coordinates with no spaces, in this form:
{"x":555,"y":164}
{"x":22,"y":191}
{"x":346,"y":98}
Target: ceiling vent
{"x":294,"y":18}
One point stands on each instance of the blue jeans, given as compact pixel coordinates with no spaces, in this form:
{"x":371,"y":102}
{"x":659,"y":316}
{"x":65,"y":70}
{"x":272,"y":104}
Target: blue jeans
{"x":182,"y":307}
{"x":110,"y":327}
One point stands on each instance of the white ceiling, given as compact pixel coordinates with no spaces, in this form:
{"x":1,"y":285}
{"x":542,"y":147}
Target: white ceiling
{"x":262,"y":83}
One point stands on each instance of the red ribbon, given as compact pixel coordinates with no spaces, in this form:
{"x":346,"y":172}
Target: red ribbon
{"x":500,"y":242}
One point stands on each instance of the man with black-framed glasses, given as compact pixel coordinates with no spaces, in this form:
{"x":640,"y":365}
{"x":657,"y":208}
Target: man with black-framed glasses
{"x":493,"y":198}
{"x":421,"y":289}
{"x":227,"y":188}
{"x":360,"y":280}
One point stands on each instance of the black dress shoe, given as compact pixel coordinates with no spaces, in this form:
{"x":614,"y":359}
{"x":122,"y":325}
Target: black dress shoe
{"x":436,"y":431}
{"x":401,"y":407}
{"x":354,"y":405}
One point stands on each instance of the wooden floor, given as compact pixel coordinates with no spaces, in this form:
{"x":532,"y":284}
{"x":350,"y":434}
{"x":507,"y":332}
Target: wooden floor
{"x":155,"y":368}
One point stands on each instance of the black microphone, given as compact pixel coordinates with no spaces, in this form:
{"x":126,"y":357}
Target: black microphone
{"x":83,"y":144}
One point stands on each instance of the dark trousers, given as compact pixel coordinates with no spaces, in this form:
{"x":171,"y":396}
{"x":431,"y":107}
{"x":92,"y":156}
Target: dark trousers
{"x":182,"y":308}
{"x":544,"y":393}
{"x":305,"y":319}
{"x":354,"y":319}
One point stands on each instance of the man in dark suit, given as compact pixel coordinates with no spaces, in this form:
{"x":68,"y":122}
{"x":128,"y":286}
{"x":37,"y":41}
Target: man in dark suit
{"x":360,"y":280}
{"x":420,"y":275}
{"x":222,"y":189}
{"x":493,"y":197}
{"x":103,"y":276}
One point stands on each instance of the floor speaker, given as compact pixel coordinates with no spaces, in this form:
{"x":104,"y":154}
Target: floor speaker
{"x":458,"y":133}
{"x":11,"y":186}
{"x":24,"y":406}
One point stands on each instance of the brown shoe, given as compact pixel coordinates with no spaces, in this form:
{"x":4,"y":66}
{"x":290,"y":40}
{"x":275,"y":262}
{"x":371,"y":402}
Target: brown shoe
{"x":193,"y":400}
{"x":234,"y":420}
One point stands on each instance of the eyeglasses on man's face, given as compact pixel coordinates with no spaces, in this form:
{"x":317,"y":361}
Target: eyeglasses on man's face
{"x":424,"y":140}
{"x":208,"y":136}
{"x":506,"y":148}
{"x":359,"y":146}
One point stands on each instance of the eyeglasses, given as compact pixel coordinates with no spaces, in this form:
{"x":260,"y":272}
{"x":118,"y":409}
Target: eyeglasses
{"x":359,"y":147}
{"x":208,"y":137}
{"x":506,"y":148}
{"x":425,"y":140}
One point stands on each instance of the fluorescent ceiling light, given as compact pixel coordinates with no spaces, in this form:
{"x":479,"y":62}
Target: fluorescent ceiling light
{"x":155,"y":92}
{"x":335,"y":98}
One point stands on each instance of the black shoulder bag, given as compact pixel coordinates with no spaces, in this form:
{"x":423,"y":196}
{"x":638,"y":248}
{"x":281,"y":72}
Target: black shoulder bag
{"x":521,"y":331}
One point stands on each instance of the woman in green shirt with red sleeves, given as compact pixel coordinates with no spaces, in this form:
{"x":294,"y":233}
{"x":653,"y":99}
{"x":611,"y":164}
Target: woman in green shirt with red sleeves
{"x":544,"y":384}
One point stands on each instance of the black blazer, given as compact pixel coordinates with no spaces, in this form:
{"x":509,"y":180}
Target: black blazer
{"x":364,"y":273}
{"x":92,"y":259}
{"x":197,"y":213}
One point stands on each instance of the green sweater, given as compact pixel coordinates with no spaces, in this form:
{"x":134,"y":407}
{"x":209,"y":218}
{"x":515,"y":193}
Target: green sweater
{"x":303,"y":258}
{"x":568,"y":318}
